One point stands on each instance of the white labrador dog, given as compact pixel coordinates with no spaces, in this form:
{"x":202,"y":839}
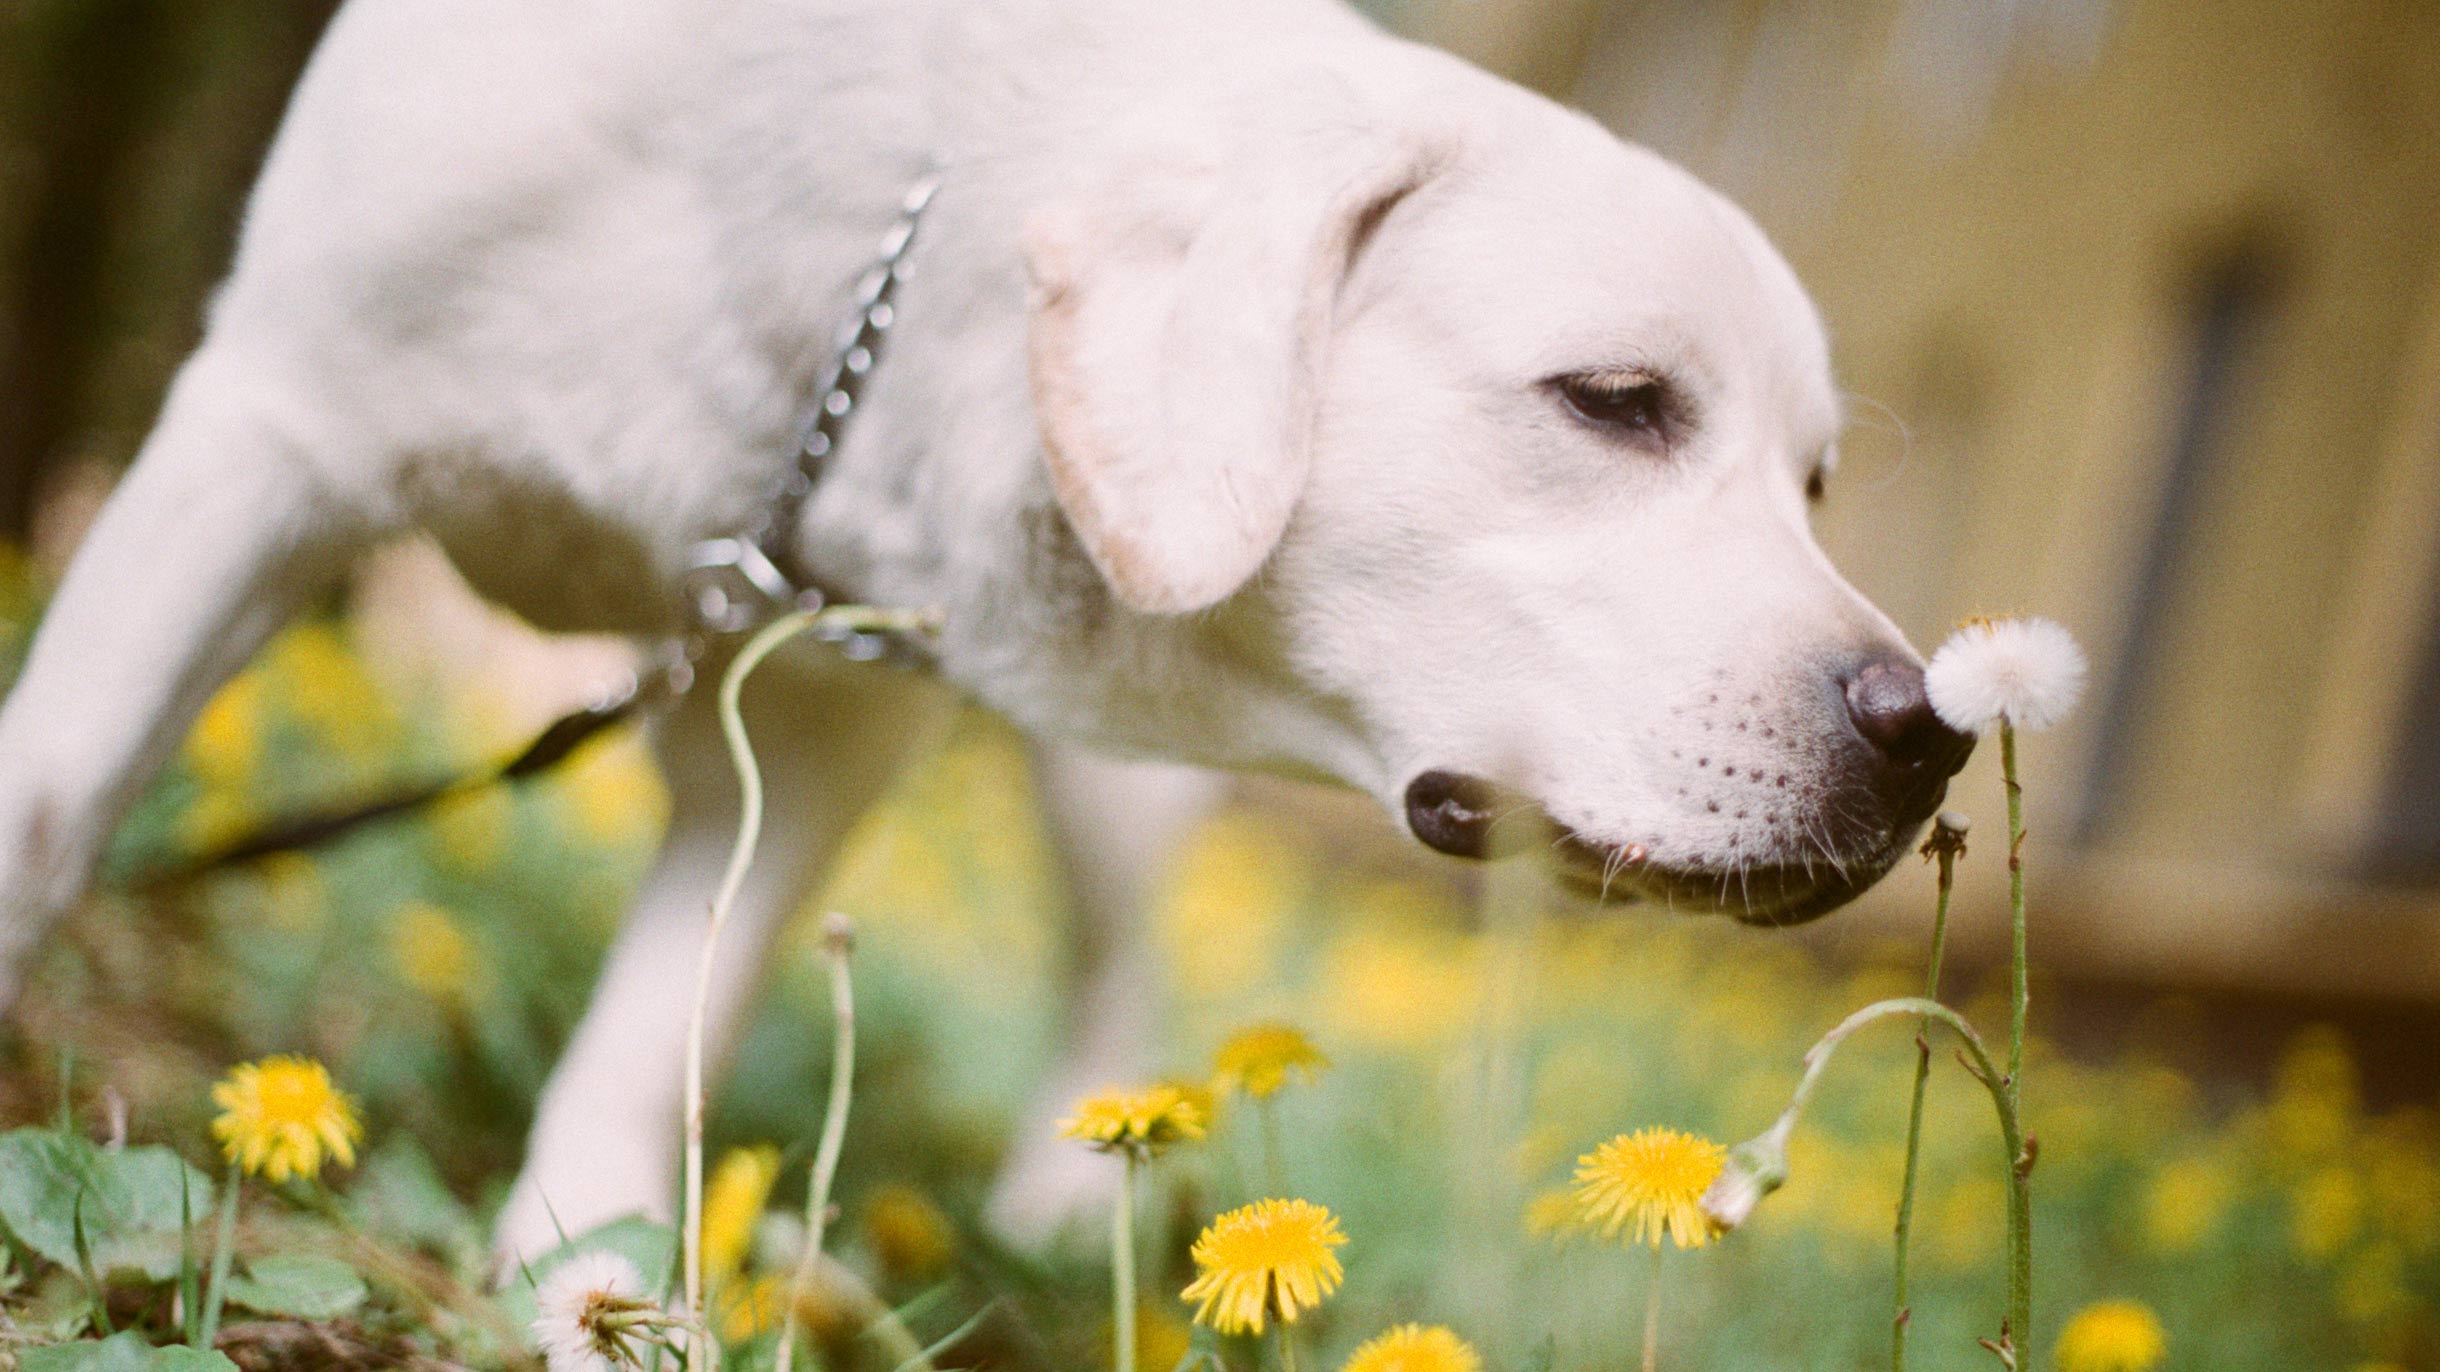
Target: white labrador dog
{"x":1267,"y":394}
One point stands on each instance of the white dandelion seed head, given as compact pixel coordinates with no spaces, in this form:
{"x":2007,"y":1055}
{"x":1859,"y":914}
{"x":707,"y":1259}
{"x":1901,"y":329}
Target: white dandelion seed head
{"x":2027,"y":671}
{"x":569,"y":1303}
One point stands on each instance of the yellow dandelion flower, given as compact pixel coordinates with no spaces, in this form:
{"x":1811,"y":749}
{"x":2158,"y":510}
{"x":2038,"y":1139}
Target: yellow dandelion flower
{"x":281,"y":1116}
{"x":432,"y":953}
{"x":1415,"y":1348}
{"x":1271,"y":1258}
{"x":910,"y":1237}
{"x":1652,"y":1182}
{"x":1262,"y":1059}
{"x":1145,"y":1121}
{"x":733,"y":1202}
{"x":2112,"y":1336}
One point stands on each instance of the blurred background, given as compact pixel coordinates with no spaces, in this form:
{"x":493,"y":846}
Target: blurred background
{"x":2138,"y":306}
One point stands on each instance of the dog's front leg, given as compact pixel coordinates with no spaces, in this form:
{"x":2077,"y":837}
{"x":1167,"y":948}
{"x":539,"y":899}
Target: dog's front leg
{"x":606,"y":1139}
{"x":1116,"y":826}
{"x":214,"y":537}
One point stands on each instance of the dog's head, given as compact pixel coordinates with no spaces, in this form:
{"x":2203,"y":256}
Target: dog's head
{"x":1474,"y":449}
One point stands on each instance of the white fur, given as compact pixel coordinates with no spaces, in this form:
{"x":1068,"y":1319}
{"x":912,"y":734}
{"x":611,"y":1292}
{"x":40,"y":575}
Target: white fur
{"x":553,"y":280}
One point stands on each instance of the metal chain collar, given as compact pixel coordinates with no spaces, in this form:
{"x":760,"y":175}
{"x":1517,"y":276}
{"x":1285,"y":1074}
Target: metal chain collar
{"x":745,"y":580}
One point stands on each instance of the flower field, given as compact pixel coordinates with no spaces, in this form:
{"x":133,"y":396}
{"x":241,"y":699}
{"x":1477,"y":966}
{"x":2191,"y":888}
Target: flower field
{"x":1466,"y":1052}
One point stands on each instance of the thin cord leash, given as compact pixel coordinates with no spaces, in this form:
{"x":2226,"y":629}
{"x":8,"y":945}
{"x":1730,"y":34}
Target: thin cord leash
{"x":732,"y":586}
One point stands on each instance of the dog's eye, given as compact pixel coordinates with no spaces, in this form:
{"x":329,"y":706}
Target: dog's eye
{"x":1638,"y":405}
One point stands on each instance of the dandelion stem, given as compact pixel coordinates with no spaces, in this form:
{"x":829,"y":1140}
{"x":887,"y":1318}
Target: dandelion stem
{"x":2019,"y":1332}
{"x":1652,"y":1313}
{"x":700,"y":1354}
{"x":1287,"y":1347}
{"x":1946,"y":844}
{"x":838,"y":948}
{"x":224,"y":1244}
{"x":2012,"y":1135}
{"x":1122,"y":1267}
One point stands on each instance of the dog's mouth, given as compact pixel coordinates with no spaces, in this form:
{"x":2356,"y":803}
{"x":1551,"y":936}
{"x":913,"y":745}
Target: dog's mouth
{"x":1763,"y":894}
{"x":1465,"y":816}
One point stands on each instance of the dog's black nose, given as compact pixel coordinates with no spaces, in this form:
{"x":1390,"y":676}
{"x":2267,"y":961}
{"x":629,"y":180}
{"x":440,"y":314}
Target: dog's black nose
{"x":1893,"y":713}
{"x":1453,"y":812}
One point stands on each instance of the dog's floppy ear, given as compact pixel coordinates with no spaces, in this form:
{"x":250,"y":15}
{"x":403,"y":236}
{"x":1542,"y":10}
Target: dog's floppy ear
{"x":1179,"y":326}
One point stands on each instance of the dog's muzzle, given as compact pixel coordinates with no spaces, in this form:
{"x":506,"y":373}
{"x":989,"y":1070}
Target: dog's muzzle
{"x":1897,"y":762}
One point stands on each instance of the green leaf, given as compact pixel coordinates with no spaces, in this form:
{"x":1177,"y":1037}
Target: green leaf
{"x":129,"y":1202}
{"x":403,"y":1197}
{"x":305,"y":1286}
{"x":122,"y":1353}
{"x":41,"y":1174}
{"x":180,"y":1358}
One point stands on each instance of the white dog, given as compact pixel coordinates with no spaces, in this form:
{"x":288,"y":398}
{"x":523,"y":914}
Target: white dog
{"x":1266,"y":394}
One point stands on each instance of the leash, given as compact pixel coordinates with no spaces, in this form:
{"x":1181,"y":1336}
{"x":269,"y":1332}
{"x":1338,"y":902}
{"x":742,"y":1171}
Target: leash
{"x":731,"y":586}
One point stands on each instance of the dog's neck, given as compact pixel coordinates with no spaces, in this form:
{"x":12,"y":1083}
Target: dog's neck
{"x":938,"y":494}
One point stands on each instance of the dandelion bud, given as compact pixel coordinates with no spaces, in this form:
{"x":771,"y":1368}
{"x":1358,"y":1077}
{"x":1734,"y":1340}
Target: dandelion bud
{"x":838,"y":935}
{"x":1755,"y":1168}
{"x":1948,"y":835}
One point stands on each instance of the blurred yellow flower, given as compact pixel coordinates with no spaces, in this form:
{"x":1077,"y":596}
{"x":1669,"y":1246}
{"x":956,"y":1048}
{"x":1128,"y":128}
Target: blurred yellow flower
{"x":1225,"y":906}
{"x":910,"y":1237}
{"x":1415,"y":1348}
{"x":613,"y":795}
{"x":432,"y":952}
{"x":1144,"y":1122}
{"x":1966,"y":1225}
{"x":2183,"y":1204}
{"x":1647,"y":1184}
{"x":1271,"y":1259}
{"x":1262,"y":1059}
{"x":1162,"y":1340}
{"x":228,"y":736}
{"x":2314,"y":1098}
{"x":326,"y":684}
{"x":280,"y":1117}
{"x":2326,"y":1211}
{"x":1400,"y":988}
{"x":2112,"y":1336}
{"x":733,"y":1201}
{"x":746,"y":1309}
{"x":1553,"y":1215}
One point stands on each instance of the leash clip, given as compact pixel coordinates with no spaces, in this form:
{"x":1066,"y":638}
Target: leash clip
{"x":731,"y":585}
